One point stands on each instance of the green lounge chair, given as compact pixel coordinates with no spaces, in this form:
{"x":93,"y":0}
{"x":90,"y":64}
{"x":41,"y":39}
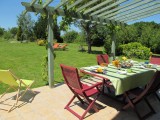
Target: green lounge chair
{"x":7,"y":77}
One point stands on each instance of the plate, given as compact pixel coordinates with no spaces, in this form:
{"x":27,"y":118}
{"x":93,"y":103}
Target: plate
{"x":122,"y":72}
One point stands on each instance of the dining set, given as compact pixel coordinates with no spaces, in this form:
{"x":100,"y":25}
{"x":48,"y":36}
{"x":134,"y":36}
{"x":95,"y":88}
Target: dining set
{"x":136,"y":79}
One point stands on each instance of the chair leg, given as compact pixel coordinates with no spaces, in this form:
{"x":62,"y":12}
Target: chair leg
{"x":91,"y":102}
{"x":103,"y":86}
{"x":15,"y":104}
{"x":22,"y":94}
{"x":5,"y":92}
{"x":27,"y":88}
{"x":30,"y":88}
{"x":157,"y":96}
{"x":131,"y":104}
{"x":82,"y":102}
{"x":91,"y":105}
{"x":70,"y":102}
{"x":17,"y":98}
{"x":108,"y":88}
{"x":11,"y":108}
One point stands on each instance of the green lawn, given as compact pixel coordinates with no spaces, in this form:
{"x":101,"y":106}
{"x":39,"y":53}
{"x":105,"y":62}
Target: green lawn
{"x":25,"y":60}
{"x":72,"y":57}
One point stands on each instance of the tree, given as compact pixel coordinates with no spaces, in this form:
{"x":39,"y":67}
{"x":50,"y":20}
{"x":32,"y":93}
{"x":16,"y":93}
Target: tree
{"x":19,"y":34}
{"x":2,"y":30}
{"x":87,"y":27}
{"x":56,"y":28}
{"x":26,"y":24}
{"x":40,"y":27}
{"x":13,"y":31}
{"x":70,"y":36}
{"x":99,"y":35}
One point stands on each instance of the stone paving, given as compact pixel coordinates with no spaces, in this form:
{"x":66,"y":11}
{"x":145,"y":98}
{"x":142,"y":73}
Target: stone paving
{"x":48,"y":104}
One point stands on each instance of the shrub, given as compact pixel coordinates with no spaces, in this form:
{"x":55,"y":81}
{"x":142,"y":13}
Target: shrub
{"x":70,"y":37}
{"x":80,"y":39}
{"x":19,"y":34}
{"x":7,"y":35}
{"x":41,"y":42}
{"x":135,"y":49}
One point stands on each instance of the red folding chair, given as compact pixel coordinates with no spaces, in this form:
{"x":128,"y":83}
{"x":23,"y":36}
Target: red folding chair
{"x":136,"y":95}
{"x":80,"y":90}
{"x":102,"y":59}
{"x":155,"y":60}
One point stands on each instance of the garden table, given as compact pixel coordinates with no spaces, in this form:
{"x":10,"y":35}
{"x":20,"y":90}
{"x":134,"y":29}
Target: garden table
{"x":121,"y":79}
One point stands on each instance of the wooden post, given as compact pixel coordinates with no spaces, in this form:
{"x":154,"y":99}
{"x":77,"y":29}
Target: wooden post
{"x":50,"y":51}
{"x":113,"y":47}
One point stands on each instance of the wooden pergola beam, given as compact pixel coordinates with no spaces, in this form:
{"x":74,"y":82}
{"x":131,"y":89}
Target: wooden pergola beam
{"x":25,"y":12}
{"x":47,"y":3}
{"x":105,"y":8}
{"x":143,"y":11}
{"x":77,"y":15}
{"x":86,"y":5}
{"x":50,"y":51}
{"x":33,"y":2}
{"x":118,"y":8}
{"x":97,"y":6}
{"x":144,"y":15}
{"x":129,"y":8}
{"x":61,"y":4}
{"x":74,"y":4}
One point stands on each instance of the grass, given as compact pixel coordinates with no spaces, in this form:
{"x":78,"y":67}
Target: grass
{"x":72,"y":57}
{"x":25,"y":60}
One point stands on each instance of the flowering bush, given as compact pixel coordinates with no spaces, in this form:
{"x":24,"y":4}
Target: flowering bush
{"x":41,"y":42}
{"x":124,"y":58}
{"x":116,"y":63}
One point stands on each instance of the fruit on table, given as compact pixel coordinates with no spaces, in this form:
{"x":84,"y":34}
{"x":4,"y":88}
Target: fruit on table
{"x":99,"y":70}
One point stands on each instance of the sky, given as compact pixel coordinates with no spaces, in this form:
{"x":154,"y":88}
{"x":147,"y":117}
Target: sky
{"x":10,"y":9}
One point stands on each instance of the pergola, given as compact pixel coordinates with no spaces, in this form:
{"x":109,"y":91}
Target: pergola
{"x":116,"y":12}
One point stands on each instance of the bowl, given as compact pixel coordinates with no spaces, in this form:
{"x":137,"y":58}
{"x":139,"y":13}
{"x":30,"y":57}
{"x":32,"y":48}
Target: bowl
{"x":126,"y":65}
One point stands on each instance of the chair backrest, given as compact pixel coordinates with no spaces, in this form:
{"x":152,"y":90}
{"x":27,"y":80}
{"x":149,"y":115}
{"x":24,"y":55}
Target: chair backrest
{"x":150,"y":87}
{"x":155,"y":60}
{"x":6,"y":77}
{"x":102,"y":59}
{"x":154,"y":84}
{"x":71,"y":77}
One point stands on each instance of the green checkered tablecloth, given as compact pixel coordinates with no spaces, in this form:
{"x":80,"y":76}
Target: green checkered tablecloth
{"x":123,"y":80}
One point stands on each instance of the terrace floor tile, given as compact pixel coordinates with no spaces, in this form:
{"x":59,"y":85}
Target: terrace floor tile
{"x":48,"y":104}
